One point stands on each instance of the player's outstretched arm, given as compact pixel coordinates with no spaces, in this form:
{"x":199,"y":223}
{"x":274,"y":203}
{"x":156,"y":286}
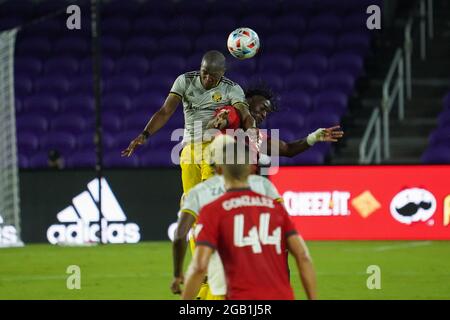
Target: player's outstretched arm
{"x":156,"y":122}
{"x":197,"y":271}
{"x":298,"y":249}
{"x":179,"y":245}
{"x":291,"y":149}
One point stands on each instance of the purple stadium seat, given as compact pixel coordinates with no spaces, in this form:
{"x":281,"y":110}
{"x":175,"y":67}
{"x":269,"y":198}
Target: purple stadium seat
{"x":241,"y":66}
{"x":354,"y":22}
{"x":42,"y":8}
{"x":40,"y":103}
{"x":125,"y":84}
{"x":157,"y":82}
{"x":111,"y":46}
{"x":349,"y":62}
{"x":107,"y":66}
{"x":318,"y":42}
{"x":220,"y":24}
{"x":39,"y":47}
{"x":304,"y":81}
{"x":175,"y":44}
{"x":64,"y":66}
{"x":281,"y":121}
{"x":211,"y":42}
{"x":73,"y":123}
{"x":155,"y":158}
{"x":285,"y":42}
{"x":436,"y":155}
{"x":440,"y":136}
{"x":115,"y":25}
{"x":23,"y":7}
{"x":354,"y":42}
{"x":120,"y":140}
{"x":135,"y":121}
{"x":71,"y":46}
{"x":193,"y":61}
{"x":31,"y":122}
{"x":292,"y":22}
{"x":85,"y":141}
{"x":23,"y":161}
{"x":446,"y":101}
{"x":332,"y":108}
{"x":135,"y":65}
{"x":57,"y":85}
{"x":79,"y":103}
{"x":279,"y":62}
{"x":38,"y":160}
{"x":304,"y":7}
{"x":46,"y":28}
{"x":339,"y":81}
{"x":27,"y":66}
{"x":149,"y":101}
{"x":111,"y":122}
{"x":273,"y":80}
{"x":116,"y":102}
{"x":338,"y":98}
{"x":169,"y":64}
{"x":196,"y":7}
{"x":109,"y":142}
{"x":185,"y":24}
{"x":81,"y":159}
{"x":260,"y":23}
{"x":328,"y":22}
{"x":296,"y":100}
{"x":119,"y":7}
{"x":221,"y":6}
{"x":311,"y":62}
{"x":444,"y":118}
{"x":82,"y":84}
{"x":63,"y":142}
{"x":149,"y":26}
{"x":113,"y":159}
{"x":141,"y":45}
{"x":27,"y":142}
{"x":23,"y":85}
{"x":262,"y":7}
{"x":319,"y":119}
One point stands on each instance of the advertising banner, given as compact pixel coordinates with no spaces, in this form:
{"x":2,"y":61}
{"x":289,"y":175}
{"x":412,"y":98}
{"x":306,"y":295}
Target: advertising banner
{"x":61,"y":207}
{"x":367,"y":202}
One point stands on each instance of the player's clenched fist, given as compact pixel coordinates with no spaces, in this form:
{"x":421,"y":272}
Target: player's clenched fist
{"x":140,"y":140}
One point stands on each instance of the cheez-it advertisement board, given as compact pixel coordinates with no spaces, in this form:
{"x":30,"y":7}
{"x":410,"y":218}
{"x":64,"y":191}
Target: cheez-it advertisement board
{"x":367,"y":202}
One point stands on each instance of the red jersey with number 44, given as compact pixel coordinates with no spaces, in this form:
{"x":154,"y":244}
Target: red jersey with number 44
{"x":249,"y":231}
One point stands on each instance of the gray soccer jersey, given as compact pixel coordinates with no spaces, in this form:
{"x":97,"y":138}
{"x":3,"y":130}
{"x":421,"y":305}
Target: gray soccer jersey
{"x":199,"y":104}
{"x":208,"y":191}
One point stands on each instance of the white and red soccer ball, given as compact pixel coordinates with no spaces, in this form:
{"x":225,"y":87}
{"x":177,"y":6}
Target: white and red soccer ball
{"x":243,"y":43}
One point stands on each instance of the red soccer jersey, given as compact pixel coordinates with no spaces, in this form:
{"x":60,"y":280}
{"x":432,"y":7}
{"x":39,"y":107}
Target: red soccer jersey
{"x":234,"y":120}
{"x":249,"y":231}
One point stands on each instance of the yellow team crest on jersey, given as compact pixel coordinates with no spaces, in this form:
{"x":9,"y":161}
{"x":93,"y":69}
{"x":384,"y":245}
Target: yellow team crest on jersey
{"x":217,"y":96}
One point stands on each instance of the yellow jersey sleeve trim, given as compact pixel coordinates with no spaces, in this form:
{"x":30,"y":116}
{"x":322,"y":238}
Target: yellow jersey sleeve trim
{"x":192,"y":213}
{"x":176,"y":94}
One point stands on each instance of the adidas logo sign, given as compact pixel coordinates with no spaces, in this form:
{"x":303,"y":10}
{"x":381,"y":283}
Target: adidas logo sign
{"x":8,"y":234}
{"x":79,"y":222}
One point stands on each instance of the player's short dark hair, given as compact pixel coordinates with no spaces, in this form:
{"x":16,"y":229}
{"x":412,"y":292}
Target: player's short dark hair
{"x":261,"y":88}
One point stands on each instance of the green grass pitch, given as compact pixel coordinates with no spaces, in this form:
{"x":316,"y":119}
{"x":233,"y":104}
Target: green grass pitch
{"x":409,"y":270}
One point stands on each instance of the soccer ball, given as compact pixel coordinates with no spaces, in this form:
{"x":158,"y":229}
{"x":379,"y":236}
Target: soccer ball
{"x":243,"y":43}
